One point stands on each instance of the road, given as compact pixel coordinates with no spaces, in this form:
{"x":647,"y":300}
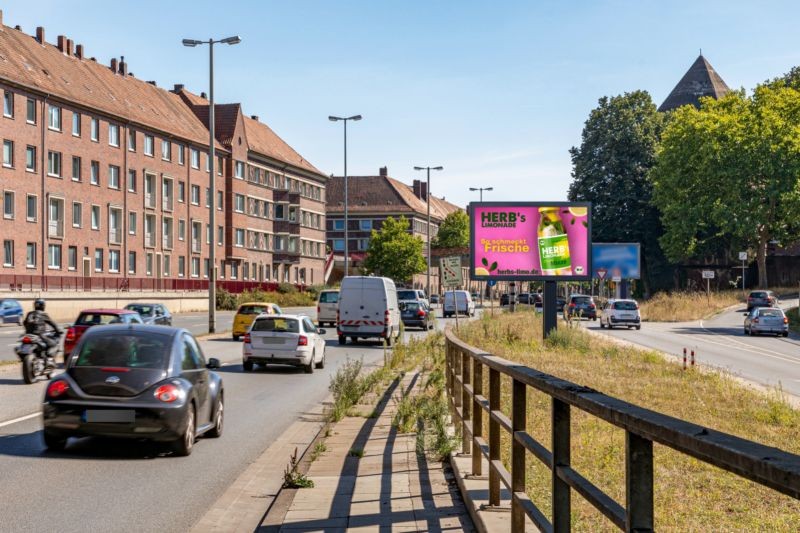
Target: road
{"x":105,"y":485}
{"x":720,"y":342}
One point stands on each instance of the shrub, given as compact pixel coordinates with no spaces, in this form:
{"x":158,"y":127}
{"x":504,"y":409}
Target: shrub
{"x":286,"y":288}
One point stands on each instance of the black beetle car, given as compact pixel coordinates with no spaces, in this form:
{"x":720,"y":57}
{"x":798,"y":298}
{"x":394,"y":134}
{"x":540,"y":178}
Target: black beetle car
{"x":143,"y":382}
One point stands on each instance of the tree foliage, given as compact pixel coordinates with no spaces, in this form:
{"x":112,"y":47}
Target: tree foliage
{"x":729,"y":170}
{"x":453,"y":232}
{"x":610,"y":169}
{"x":393,"y":252}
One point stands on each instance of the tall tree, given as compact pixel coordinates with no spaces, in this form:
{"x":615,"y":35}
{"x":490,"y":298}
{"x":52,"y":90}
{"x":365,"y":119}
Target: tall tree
{"x":453,"y":232}
{"x":610,"y":169}
{"x":730,"y":169}
{"x":393,"y":252}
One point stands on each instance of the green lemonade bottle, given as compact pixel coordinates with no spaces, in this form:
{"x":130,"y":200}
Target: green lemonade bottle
{"x":553,"y":243}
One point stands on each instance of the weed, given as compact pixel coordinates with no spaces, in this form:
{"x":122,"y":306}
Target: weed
{"x":356,"y":452}
{"x":292,"y":478}
{"x":319,"y":448}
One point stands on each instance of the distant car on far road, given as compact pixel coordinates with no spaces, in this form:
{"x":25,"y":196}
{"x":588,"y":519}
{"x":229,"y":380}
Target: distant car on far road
{"x":761,"y":299}
{"x":284,"y":339}
{"x":247,"y":313}
{"x":621,"y":313}
{"x":155,"y":314}
{"x":412,"y":294}
{"x":766,"y":320}
{"x":434,"y":298}
{"x":415,"y":314}
{"x":327,"y":305}
{"x":10,"y":311}
{"x":505,"y":299}
{"x":581,"y":306}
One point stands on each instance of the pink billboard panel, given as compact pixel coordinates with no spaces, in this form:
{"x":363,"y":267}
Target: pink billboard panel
{"x":530,"y":241}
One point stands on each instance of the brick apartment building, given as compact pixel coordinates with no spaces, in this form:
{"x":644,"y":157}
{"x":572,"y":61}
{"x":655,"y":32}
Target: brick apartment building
{"x":105,"y":175}
{"x":373,"y":199}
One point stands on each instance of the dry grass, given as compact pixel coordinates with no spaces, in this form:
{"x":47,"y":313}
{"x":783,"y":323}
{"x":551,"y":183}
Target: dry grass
{"x":690,"y":495}
{"x":686,"y":306}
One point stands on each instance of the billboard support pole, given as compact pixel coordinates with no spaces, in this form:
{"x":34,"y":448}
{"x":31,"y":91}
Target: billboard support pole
{"x":550,"y":313}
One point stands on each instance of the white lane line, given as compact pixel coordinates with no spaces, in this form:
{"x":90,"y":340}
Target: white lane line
{"x":747,"y":348}
{"x":20,"y":419}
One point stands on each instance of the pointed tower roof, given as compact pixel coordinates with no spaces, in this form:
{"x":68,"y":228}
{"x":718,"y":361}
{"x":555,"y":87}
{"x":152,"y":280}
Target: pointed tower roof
{"x":700,"y":80}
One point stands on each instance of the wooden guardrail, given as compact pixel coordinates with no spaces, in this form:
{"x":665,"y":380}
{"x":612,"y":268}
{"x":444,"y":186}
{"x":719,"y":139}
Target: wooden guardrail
{"x":465,"y":365}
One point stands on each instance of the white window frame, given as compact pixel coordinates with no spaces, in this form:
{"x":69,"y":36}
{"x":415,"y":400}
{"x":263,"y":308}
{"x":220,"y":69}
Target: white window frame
{"x":79,"y":205}
{"x":113,"y":135}
{"x":28,"y":216}
{"x":94,"y":129}
{"x":149,"y":145}
{"x":94,"y":221}
{"x":53,"y":117}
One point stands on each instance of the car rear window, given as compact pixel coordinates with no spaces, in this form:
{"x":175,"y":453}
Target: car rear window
{"x":758,"y":294}
{"x":770,"y":312}
{"x":406,"y":295}
{"x":127,"y":350}
{"x":282,"y":325}
{"x":97,"y":319}
{"x":329,"y":297}
{"x":144,"y":310}
{"x":625,"y":306}
{"x":253,"y":309}
{"x":582,"y":300}
{"x":411,"y":306}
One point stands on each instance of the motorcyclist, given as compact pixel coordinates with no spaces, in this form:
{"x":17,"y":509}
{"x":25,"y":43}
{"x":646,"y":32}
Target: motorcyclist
{"x":36,"y":323}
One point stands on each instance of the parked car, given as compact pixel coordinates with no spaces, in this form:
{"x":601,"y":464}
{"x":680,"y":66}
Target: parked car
{"x":155,"y":314}
{"x":247,"y":313}
{"x":327,"y":304}
{"x":96,"y":317}
{"x":761,"y":299}
{"x":10,"y":311}
{"x":474,"y":296}
{"x":458,"y":302}
{"x":146,"y":382}
{"x":506,"y":299}
{"x":621,"y":313}
{"x":415,"y":314}
{"x":368,"y":308}
{"x":581,"y":306}
{"x":286,"y":340}
{"x":766,"y":320}
{"x":434,"y":298}
{"x":539,"y":303}
{"x":412,"y":294}
{"x":529,"y":298}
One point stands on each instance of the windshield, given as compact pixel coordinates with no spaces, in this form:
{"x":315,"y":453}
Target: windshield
{"x":406,"y":295}
{"x":329,"y":297}
{"x":96,"y":319}
{"x":126,"y":350}
{"x":144,"y":310}
{"x":282,"y":325}
{"x":253,"y":309}
{"x":625,"y":306}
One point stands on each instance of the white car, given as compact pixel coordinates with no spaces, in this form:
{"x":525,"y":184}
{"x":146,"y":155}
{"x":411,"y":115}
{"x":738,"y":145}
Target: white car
{"x":285,"y":340}
{"x":621,"y":313}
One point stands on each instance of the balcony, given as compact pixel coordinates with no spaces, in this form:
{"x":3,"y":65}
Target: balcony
{"x":284,"y":226}
{"x":168,"y":241}
{"x":166,"y":203}
{"x":195,"y":246}
{"x":55,"y":228}
{"x":149,"y":200}
{"x":115,"y":236}
{"x":150,"y":240}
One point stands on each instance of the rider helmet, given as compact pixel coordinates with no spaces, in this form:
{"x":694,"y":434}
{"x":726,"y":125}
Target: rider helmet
{"x":39,"y":304}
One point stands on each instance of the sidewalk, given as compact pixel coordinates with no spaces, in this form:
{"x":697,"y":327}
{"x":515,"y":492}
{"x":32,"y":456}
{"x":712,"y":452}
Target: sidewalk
{"x":389,"y":488}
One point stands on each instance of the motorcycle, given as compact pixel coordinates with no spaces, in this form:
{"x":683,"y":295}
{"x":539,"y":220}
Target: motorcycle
{"x":36,"y":359}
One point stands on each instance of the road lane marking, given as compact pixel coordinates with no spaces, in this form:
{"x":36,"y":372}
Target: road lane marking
{"x":747,"y":348}
{"x":20,"y":419}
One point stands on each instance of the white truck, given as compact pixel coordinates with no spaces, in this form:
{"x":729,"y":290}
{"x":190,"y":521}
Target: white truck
{"x":368,"y":308}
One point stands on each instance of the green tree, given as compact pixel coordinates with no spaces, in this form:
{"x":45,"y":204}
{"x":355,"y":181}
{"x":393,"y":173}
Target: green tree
{"x":730,"y":170}
{"x":453,"y":232}
{"x":393,"y":252}
{"x":610,"y":169}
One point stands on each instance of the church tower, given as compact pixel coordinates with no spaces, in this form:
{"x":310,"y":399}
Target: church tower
{"x":700,"y":80}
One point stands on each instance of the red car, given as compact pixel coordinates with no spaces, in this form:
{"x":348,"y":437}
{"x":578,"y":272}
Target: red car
{"x":97,"y":317}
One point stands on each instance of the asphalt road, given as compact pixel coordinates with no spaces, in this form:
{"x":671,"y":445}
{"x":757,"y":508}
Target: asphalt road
{"x":107,"y":485}
{"x":720,"y":342}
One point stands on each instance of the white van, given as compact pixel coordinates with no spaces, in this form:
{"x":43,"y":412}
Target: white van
{"x":368,"y":309}
{"x":466,"y":306}
{"x":327,"y":305}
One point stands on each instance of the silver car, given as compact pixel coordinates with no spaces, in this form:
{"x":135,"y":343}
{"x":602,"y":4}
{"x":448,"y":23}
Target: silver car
{"x":766,"y":320}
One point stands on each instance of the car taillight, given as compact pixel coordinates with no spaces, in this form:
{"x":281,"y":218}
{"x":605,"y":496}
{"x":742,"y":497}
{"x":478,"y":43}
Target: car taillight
{"x":317,"y":309}
{"x":591,"y":306}
{"x":755,"y":320}
{"x":302,"y":340}
{"x":785,"y":320}
{"x":167,"y":393}
{"x":749,"y":298}
{"x":420,"y":313}
{"x":246,"y":338}
{"x":70,"y":334}
{"x":27,"y":340}
{"x":572,"y":305}
{"x":57,"y":388}
{"x":637,"y":307}
{"x":387,"y":320}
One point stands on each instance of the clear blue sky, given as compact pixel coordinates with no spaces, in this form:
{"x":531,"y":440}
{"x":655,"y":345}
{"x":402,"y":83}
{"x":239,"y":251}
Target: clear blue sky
{"x":496,"y":92}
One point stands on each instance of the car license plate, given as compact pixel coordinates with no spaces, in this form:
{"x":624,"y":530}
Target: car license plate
{"x":271,"y":340}
{"x":105,"y":416}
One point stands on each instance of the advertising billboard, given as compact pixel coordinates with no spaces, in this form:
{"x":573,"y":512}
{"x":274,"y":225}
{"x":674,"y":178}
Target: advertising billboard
{"x":619,"y":260}
{"x":530,"y":241}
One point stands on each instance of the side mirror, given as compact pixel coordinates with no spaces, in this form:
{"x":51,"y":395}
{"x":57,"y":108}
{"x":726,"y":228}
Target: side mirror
{"x":213,"y":363}
{"x":321,"y":331}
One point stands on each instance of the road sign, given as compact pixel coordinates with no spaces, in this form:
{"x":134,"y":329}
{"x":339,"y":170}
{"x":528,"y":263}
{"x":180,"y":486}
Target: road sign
{"x":742,"y":256}
{"x":708,"y":274}
{"x":616,"y":279}
{"x":601,"y":273}
{"x":451,"y":271}
{"x":491,"y":282}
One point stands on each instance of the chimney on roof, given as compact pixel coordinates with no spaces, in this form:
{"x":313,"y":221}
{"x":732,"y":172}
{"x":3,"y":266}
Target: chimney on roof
{"x":79,"y":51}
{"x":152,"y":82}
{"x":40,"y":34}
{"x":383,"y":172}
{"x":254,"y":117}
{"x":114,"y":65}
{"x":18,"y":27}
{"x":70,"y":47}
{"x":123,"y":66}
{"x":204,"y":97}
{"x":417,"y":188}
{"x":178,"y":87}
{"x":62,"y":43}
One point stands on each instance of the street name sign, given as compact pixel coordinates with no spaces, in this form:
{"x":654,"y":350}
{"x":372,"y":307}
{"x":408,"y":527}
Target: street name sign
{"x":742,"y":256}
{"x":708,"y":274}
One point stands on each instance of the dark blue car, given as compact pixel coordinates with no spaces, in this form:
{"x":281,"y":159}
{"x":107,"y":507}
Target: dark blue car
{"x":10,"y":312}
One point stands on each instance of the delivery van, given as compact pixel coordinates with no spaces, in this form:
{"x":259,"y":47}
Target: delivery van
{"x":458,"y":302}
{"x":368,"y":308}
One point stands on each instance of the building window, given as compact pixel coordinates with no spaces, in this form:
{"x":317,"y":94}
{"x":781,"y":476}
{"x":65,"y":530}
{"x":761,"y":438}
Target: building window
{"x":208,"y":234}
{"x":208,"y":197}
{"x":240,"y":170}
{"x":166,"y":150}
{"x":220,"y":235}
{"x":148,"y":264}
{"x":30,"y":159}
{"x":181,"y":266}
{"x":54,"y":256}
{"x":149,"y":191}
{"x":8,"y":104}
{"x":234,"y":270}
{"x":30,"y":255}
{"x":279,"y":211}
{"x":54,"y":164}
{"x":31,"y":208}
{"x":94,"y":130}
{"x":8,"y":204}
{"x":148,"y":145}
{"x":30,"y":114}
{"x":150,"y":231}
{"x":55,"y":227}
{"x":113,"y":260}
{"x":196,"y":231}
{"x":131,"y":180}
{"x":195,"y":267}
{"x":8,"y":253}
{"x":181,"y":154}
{"x":181,"y":192}
{"x":219,"y":166}
{"x":166,"y":194}
{"x":76,"y":168}
{"x":181,"y":229}
{"x":131,"y":140}
{"x":195,"y":154}
{"x":132,"y":222}
{"x":113,"y":134}
{"x":95,"y":217}
{"x":365,"y":225}
{"x":195,"y":195}
{"x":114,"y":225}
{"x":167,"y":262}
{"x":113,"y":176}
{"x":94,"y":173}
{"x":76,"y":124}
{"x":131,"y":262}
{"x":54,"y":118}
{"x":239,"y":237}
{"x":72,"y":258}
{"x":239,"y":206}
{"x":98,"y":259}
{"x":167,"y":234}
{"x":77,"y":214}
{"x":338,"y":245}
{"x":219,"y":201}
{"x":8,"y":153}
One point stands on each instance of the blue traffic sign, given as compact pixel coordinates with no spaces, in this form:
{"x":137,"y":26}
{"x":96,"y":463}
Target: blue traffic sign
{"x":491,"y":282}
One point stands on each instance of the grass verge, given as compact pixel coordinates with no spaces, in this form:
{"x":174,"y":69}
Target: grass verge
{"x":690,"y":495}
{"x":794,"y":319}
{"x":687,"y":306}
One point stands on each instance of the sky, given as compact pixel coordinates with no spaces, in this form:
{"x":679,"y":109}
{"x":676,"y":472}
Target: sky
{"x":495,"y":92}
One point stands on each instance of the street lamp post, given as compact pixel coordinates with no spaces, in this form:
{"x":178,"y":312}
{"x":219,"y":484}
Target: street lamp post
{"x":345,"y":119}
{"x":428,"y":201}
{"x":481,"y":189}
{"x":212,"y":169}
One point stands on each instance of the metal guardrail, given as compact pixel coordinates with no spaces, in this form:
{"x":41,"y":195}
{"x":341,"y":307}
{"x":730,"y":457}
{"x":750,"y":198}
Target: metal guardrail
{"x":465,"y":364}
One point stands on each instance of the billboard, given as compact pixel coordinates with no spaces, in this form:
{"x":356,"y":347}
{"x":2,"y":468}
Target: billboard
{"x":616,"y":260}
{"x":530,"y":241}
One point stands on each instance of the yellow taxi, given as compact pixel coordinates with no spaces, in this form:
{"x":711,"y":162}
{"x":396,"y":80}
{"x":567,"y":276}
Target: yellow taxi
{"x":248,"y":312}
